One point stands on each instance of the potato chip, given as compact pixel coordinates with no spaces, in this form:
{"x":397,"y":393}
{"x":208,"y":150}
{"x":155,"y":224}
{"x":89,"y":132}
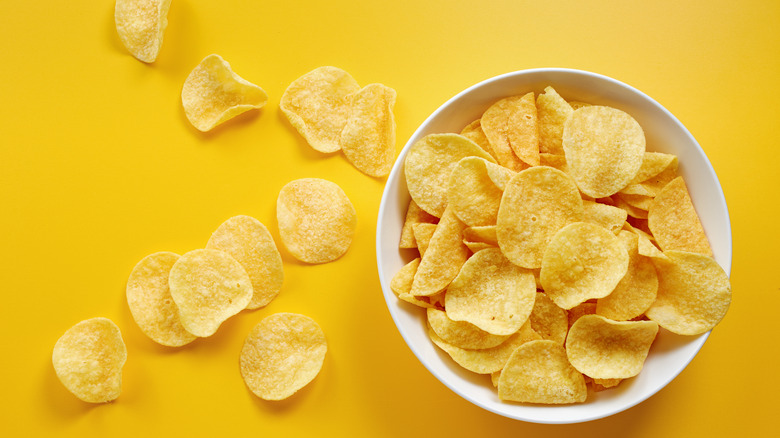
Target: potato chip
{"x":208,"y":286}
{"x":549,"y":320}
{"x":673,"y":220}
{"x":607,"y":216}
{"x":414,"y":214}
{"x":582,"y":261}
{"x":141,"y":25}
{"x":492,"y":293}
{"x":213,"y":94}
{"x":368,"y":138}
{"x":443,"y":258}
{"x":604,"y":149}
{"x":282,"y":354}
{"x":475,"y":190}
{"x":479,"y":238}
{"x":422,"y":235}
{"x":428,"y":166}
{"x":630,"y":209}
{"x":248,"y":241}
{"x":552,"y":160}
{"x":150,"y":302}
{"x":316,"y":220}
{"x":401,"y":285}
{"x":586,"y":308}
{"x":553,"y":112}
{"x":512,"y":128}
{"x":602,"y":384}
{"x":317,"y":105}
{"x":606,"y":349}
{"x":461,"y":334}
{"x":539,"y":372}
{"x":641,"y":202}
{"x":473,"y":131}
{"x":653,"y":164}
{"x":636,"y":291}
{"x":694,"y":293}
{"x":576,"y":104}
{"x":88,"y":359}
{"x":536,"y":204}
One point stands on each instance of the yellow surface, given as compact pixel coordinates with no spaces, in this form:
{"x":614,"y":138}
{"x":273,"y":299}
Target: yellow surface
{"x":99,"y":167}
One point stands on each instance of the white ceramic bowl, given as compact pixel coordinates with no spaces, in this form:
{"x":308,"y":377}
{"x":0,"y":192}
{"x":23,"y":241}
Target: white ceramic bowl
{"x":670,"y":353}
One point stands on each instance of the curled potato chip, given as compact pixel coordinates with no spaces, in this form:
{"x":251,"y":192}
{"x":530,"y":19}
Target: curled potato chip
{"x":479,"y":238}
{"x":694,"y":293}
{"x":582,"y":261}
{"x":549,"y":320}
{"x":492,"y":293}
{"x":422,"y":235}
{"x":317,"y":105}
{"x":150,"y":302}
{"x":428,"y":166}
{"x":553,"y":112}
{"x":443,"y":258}
{"x":606,"y":349}
{"x":604,"y":149}
{"x":673,"y":220}
{"x":653,"y":164}
{"x":537,"y":202}
{"x":213,"y":94}
{"x":88,"y":359}
{"x":461,"y":334}
{"x":401,"y":285}
{"x":609,"y":217}
{"x":316,"y":220}
{"x":512,"y":128}
{"x":586,"y":308}
{"x":414,"y":215}
{"x":475,"y":189}
{"x":248,"y":241}
{"x":282,"y":354}
{"x":208,"y":286}
{"x":637,"y":290}
{"x":539,"y":372}
{"x":473,"y":131}
{"x":141,"y":25}
{"x":368,"y":137}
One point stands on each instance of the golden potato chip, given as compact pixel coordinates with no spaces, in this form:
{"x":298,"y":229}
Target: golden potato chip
{"x":248,"y":241}
{"x":549,"y":320}
{"x":511,"y":126}
{"x":641,"y":202}
{"x":475,"y":190}
{"x":461,"y":334}
{"x":604,"y":149}
{"x":630,"y":209}
{"x":422,"y":235}
{"x":368,"y":138}
{"x":553,"y":112}
{"x":606,"y":349}
{"x":607,"y":216}
{"x":586,"y":308}
{"x":316,"y":220}
{"x":582,"y":261}
{"x":213,"y":94}
{"x":694,"y":293}
{"x":401,"y":285}
{"x":414,"y":214}
{"x":673,"y":220}
{"x":282,"y":354}
{"x":208,"y":286}
{"x":492,"y":293}
{"x":88,"y":359}
{"x":443,"y":258}
{"x":552,"y":160}
{"x":141,"y":25}
{"x":428,"y":166}
{"x":473,"y":131}
{"x":653,"y":164}
{"x":602,"y":384}
{"x":150,"y":302}
{"x":539,"y":372}
{"x":575,"y":104}
{"x":317,"y":105}
{"x":486,"y":234}
{"x":636,"y":291}
{"x":537,"y":203}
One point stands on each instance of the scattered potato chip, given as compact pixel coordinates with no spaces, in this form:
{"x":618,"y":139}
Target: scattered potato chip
{"x":511,"y":126}
{"x":368,"y":138}
{"x":150,"y":302}
{"x":141,"y":25}
{"x":282,"y":354}
{"x":549,"y":320}
{"x":637,"y":290}
{"x":208,"y":286}
{"x":475,"y":190}
{"x":414,"y":215}
{"x":461,"y":334}
{"x":539,"y":372}
{"x":694,"y":293}
{"x":606,"y":349}
{"x":316,"y":220}
{"x":88,"y":359}
{"x":213,"y":94}
{"x":248,"y":241}
{"x":553,"y":112}
{"x":537,"y":203}
{"x":422,"y":235}
{"x":673,"y":220}
{"x":607,"y":216}
{"x":443,"y":258}
{"x":604,"y":149}
{"x":473,"y":131}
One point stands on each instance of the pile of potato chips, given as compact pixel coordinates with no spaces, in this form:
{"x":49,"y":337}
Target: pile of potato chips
{"x":553,"y":247}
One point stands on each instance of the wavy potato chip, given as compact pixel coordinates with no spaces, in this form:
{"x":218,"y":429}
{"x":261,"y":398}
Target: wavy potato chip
{"x":637,"y":290}
{"x":443,"y":258}
{"x":586,"y":308}
{"x":141,"y":26}
{"x":609,"y":217}
{"x":553,"y":111}
{"x":317,"y":105}
{"x":401,"y":285}
{"x":549,"y":320}
{"x":88,"y":359}
{"x":475,"y":189}
{"x":461,"y":334}
{"x":368,"y":137}
{"x":150,"y":302}
{"x":511,"y":126}
{"x":414,"y":215}
{"x":674,"y":222}
{"x":606,"y":349}
{"x":282,"y":354}
{"x":208,"y":286}
{"x":422,"y":235}
{"x":316,"y":220}
{"x":473,"y":131}
{"x":248,"y":241}
{"x":213,"y":94}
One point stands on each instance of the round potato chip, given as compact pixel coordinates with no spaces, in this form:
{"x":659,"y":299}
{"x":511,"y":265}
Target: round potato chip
{"x":604,"y":149}
{"x":281,"y":355}
{"x":553,"y":112}
{"x":316,"y":220}
{"x":213,"y":94}
{"x":248,"y":241}
{"x":368,"y":138}
{"x":511,"y":126}
{"x":150,"y":301}
{"x":473,"y":131}
{"x":475,"y":189}
{"x":638,"y":288}
{"x":461,"y":334}
{"x":549,"y":320}
{"x":443,"y":257}
{"x":88,"y":360}
{"x":673,"y":220}
{"x":208,"y":286}
{"x":141,"y":25}
{"x":606,"y":349}
{"x":694,"y":293}
{"x":414,"y":215}
{"x":316,"y":104}
{"x":582,"y":261}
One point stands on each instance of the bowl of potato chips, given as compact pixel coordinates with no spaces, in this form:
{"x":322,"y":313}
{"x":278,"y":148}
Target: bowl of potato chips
{"x":554,"y":245}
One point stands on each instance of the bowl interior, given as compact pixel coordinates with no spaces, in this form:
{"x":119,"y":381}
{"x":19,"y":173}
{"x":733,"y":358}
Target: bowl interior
{"x":664,"y":133}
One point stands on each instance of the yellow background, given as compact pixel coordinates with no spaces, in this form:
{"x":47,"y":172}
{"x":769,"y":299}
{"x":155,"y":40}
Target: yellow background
{"x":99,"y":167}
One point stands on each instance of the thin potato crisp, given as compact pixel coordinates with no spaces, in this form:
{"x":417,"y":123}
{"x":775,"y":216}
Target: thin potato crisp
{"x":674,"y":222}
{"x":368,"y":137}
{"x":141,"y":25}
